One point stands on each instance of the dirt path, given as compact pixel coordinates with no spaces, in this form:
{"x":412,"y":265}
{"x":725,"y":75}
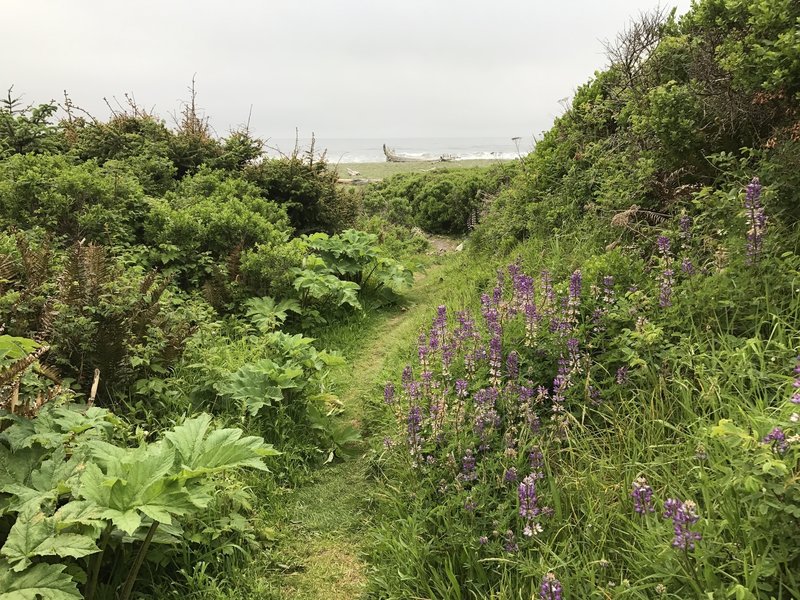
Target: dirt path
{"x":328,"y":518}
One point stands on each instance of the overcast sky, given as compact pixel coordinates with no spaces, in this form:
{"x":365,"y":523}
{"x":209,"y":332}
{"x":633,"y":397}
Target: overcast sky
{"x":347,"y":68}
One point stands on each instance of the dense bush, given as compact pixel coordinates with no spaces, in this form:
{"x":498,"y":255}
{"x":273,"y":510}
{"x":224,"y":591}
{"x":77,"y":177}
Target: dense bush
{"x":445,"y":201}
{"x":722,"y":79}
{"x":307,"y":189}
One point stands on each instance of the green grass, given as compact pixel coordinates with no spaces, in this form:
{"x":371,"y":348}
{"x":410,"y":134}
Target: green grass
{"x":321,"y":527}
{"x":382,"y":170}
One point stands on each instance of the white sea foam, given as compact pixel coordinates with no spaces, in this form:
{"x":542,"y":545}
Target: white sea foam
{"x":370,"y":150}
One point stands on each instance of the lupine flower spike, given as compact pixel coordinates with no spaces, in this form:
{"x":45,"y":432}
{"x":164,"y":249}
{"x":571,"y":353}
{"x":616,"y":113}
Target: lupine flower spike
{"x":551,"y":588}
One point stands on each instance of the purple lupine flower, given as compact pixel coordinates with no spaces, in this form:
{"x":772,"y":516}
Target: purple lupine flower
{"x":388,"y":393}
{"x":510,"y":475}
{"x":528,"y":500}
{"x":536,"y":461}
{"x":495,"y":359}
{"x":685,"y":223}
{"x":532,"y":319}
{"x":609,"y":296}
{"x":574,"y":353}
{"x":687,"y":267}
{"x":461,"y":388}
{"x":574,"y":297}
{"x":756,"y":220}
{"x":683,"y":515}
{"x":497,"y":295}
{"x":483,"y":540}
{"x":423,"y":352}
{"x":523,"y":291}
{"x":414,"y":427}
{"x":448,"y":352}
{"x":470,"y":505}
{"x":468,"y":467}
{"x":622,"y":375}
{"x":575,"y":282}
{"x":663,"y":245}
{"x":512,"y":365}
{"x":796,"y":395}
{"x":407,"y":377}
{"x":550,"y":588}
{"x":511,"y":545}
{"x":440,"y":323}
{"x":642,"y":495}
{"x":777,"y":439}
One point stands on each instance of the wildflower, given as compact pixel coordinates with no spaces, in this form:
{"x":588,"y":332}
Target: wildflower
{"x":795,"y":418}
{"x":495,"y":359}
{"x":414,"y":426}
{"x":683,"y":515}
{"x":483,"y":540}
{"x":609,"y":296}
{"x":573,"y":349}
{"x":512,"y":365}
{"x":663,"y":245}
{"x":550,"y":588}
{"x":388,"y":393}
{"x":407,"y":377}
{"x":687,"y":267}
{"x":642,"y":495}
{"x":777,"y":438}
{"x":528,"y":499}
{"x":685,"y":223}
{"x":511,"y":544}
{"x":470,"y":505}
{"x":532,"y":319}
{"x":796,"y":395}
{"x":468,"y":467}
{"x":661,"y":589}
{"x":574,"y":296}
{"x":510,"y":476}
{"x":388,"y":443}
{"x":461,"y":388}
{"x":536,"y":461}
{"x":622,"y":375}
{"x":532,"y":529}
{"x":756,"y":220}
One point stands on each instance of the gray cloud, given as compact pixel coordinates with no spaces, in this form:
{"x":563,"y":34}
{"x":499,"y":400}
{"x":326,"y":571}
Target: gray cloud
{"x":356,"y":68}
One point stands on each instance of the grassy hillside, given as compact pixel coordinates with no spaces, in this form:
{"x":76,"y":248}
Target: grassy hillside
{"x":615,"y":415}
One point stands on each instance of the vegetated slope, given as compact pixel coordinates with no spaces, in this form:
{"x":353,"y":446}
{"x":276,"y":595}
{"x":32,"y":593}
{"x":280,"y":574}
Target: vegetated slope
{"x":156,"y":286}
{"x":615,"y":415}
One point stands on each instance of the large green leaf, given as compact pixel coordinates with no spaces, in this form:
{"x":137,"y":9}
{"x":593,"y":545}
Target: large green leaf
{"x":202,"y":450}
{"x":54,"y":477}
{"x":133,"y":483}
{"x":42,"y":581}
{"x":254,"y":384}
{"x":33,"y":534}
{"x":56,"y":426}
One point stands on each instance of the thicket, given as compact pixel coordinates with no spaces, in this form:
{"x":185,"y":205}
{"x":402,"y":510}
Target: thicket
{"x":449,"y":201}
{"x":151,"y":279}
{"x":616,"y":415}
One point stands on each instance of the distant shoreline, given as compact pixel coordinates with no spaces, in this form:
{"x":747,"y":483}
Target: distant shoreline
{"x":381,"y":170}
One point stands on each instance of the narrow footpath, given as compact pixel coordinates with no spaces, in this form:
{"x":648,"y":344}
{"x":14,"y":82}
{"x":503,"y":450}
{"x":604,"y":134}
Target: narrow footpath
{"x":327,"y":520}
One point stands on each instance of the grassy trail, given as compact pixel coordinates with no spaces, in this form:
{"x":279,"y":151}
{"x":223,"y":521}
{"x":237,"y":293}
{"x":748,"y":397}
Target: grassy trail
{"x":327,"y":519}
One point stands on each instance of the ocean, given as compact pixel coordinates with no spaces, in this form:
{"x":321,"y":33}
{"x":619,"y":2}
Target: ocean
{"x":342,"y":150}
